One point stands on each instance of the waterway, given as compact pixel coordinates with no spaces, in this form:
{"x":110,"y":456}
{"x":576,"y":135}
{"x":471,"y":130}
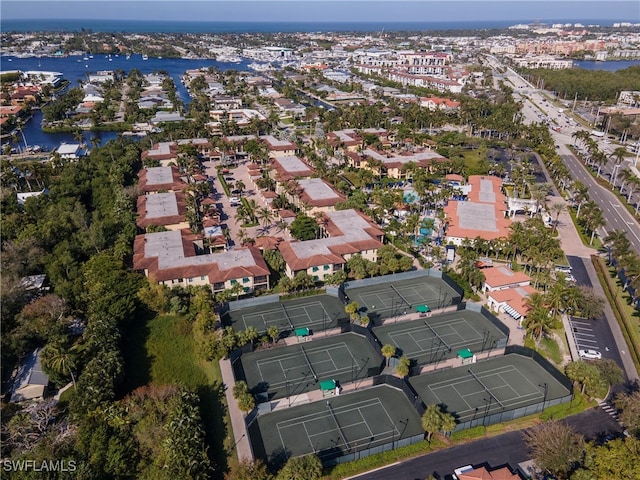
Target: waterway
{"x":609,"y":66}
{"x":75,"y":70}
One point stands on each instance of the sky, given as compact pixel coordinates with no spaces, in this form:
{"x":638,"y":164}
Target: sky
{"x":323,"y":10}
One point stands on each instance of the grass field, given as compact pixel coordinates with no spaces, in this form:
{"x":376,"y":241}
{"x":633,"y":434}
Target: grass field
{"x":162,"y":351}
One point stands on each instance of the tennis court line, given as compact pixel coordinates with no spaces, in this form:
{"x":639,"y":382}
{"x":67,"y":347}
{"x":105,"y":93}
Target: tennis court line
{"x":359,"y":406}
{"x":294,"y":355}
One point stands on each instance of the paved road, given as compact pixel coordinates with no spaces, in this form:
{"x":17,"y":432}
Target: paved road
{"x":616,"y":215}
{"x":509,"y":448}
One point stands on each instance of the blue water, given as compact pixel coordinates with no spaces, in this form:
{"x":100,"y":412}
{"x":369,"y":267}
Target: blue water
{"x":76,"y":71}
{"x":172,"y":26}
{"x":609,"y":66}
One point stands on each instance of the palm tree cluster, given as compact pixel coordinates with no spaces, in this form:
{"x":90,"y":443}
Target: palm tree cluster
{"x":629,"y":183}
{"x":625,"y":260}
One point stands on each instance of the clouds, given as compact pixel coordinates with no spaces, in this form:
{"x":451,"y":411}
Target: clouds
{"x":323,"y":10}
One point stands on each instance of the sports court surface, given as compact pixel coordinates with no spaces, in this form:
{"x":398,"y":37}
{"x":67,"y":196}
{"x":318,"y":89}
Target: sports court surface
{"x":391,"y":299}
{"x":475,"y":391}
{"x":338,"y":426}
{"x":295,"y":369}
{"x":317,"y":313}
{"x":433,"y":339}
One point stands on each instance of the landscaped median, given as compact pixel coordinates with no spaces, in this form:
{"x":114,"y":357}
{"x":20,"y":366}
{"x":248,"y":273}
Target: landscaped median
{"x":615,"y":296}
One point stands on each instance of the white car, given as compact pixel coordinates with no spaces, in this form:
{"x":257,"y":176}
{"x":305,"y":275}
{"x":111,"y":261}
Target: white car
{"x":590,"y":354}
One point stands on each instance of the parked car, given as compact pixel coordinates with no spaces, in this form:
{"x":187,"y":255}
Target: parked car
{"x":590,"y":354}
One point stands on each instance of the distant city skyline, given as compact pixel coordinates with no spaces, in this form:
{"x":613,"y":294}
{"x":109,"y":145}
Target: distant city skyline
{"x":324,"y":10}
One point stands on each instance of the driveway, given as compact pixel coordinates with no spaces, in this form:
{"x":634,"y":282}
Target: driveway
{"x":228,"y":212}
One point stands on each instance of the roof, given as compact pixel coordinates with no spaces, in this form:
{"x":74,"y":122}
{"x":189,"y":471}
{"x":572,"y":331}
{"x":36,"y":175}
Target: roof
{"x":499,"y":276}
{"x":29,"y":375}
{"x":482,"y":215}
{"x":290,"y":166}
{"x":350,"y":232}
{"x":152,"y":179}
{"x":423,"y":159}
{"x":161,"y":209}
{"x":172,"y":255}
{"x":482,"y":473}
{"x":515,"y":297}
{"x":318,"y":193}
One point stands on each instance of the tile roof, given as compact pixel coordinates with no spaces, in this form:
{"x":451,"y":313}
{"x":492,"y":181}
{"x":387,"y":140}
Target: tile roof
{"x":172,"y":256}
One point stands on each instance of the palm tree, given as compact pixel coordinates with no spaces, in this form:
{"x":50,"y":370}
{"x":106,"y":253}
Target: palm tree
{"x":594,"y":219}
{"x":557,"y":208}
{"x":580,"y":194}
{"x":538,"y":319}
{"x":618,"y":242}
{"x":59,"y":359}
{"x":431,"y":420}
{"x":265,"y":215}
{"x":240,"y":186}
{"x":388,"y":351}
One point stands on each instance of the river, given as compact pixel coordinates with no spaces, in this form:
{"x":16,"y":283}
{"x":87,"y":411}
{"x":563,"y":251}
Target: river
{"x":75,"y":70}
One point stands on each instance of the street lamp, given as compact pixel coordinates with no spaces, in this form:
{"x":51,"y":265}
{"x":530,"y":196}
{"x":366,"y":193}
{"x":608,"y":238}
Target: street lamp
{"x":544,"y":399}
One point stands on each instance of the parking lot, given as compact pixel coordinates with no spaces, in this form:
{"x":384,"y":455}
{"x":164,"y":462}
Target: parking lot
{"x":584,"y":334}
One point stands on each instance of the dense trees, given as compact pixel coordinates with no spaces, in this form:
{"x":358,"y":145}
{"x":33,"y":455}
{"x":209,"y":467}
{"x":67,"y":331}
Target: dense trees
{"x":556,"y":448}
{"x":596,"y":85}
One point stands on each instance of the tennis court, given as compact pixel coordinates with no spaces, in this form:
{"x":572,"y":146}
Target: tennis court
{"x":295,"y":369}
{"x":436,"y":338}
{"x":478,"y":391}
{"x":397,"y":298}
{"x":341,"y":425}
{"x":317,"y":313}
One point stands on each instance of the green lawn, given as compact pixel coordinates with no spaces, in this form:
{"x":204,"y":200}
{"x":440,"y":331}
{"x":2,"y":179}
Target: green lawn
{"x":162,"y":350}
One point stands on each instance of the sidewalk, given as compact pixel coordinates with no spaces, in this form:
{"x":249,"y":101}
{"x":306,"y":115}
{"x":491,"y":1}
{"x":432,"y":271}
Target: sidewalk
{"x":238,"y":425}
{"x":570,"y":241}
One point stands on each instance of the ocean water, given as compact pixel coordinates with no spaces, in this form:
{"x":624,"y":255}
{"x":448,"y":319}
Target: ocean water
{"x":170,"y":26}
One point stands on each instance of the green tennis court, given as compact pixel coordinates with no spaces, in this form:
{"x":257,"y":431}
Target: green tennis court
{"x":397,"y":298}
{"x":317,"y":313}
{"x":493,"y":386}
{"x":295,"y":369}
{"x":433,"y":339}
{"x":344,"y":424}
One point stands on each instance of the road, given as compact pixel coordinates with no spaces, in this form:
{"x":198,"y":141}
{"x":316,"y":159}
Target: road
{"x":536,"y":108}
{"x":509,"y":448}
{"x":616,"y":214}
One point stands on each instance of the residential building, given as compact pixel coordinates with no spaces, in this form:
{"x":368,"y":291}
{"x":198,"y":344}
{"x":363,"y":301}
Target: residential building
{"x":313,"y":195}
{"x":289,"y":167}
{"x":394,"y":165}
{"x":165,"y":209}
{"x":156,"y":179}
{"x":30,"y":382}
{"x":177,"y":258}
{"x":348,"y":233}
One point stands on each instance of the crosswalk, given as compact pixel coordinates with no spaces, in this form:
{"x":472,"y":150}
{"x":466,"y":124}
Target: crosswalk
{"x":607,"y":407}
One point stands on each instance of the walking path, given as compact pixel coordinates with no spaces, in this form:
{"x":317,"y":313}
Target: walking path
{"x":238,"y":424}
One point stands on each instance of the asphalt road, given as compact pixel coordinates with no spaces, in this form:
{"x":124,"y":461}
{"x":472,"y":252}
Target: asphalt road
{"x":616,"y":215}
{"x":509,"y":448}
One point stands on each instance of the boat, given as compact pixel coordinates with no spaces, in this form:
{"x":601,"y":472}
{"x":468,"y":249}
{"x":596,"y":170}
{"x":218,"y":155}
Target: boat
{"x":128,"y":57}
{"x":90,"y":56}
{"x":85,"y":58}
{"x":145,"y":57}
